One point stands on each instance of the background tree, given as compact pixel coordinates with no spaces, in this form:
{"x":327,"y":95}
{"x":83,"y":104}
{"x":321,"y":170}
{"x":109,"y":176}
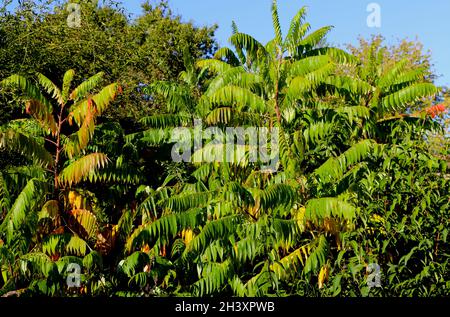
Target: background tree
{"x":37,"y":38}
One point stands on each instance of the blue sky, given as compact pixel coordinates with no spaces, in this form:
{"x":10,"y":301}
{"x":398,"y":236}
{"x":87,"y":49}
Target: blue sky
{"x":426,"y":20}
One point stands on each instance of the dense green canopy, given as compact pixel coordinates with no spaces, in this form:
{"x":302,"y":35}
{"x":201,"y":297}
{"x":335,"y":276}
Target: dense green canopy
{"x":90,"y":124}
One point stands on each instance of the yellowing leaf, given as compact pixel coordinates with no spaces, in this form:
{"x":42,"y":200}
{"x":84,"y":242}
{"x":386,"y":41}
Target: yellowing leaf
{"x":300,"y":217}
{"x":323,"y":276}
{"x":79,"y":170}
{"x":188,"y":236}
{"x":87,"y":221}
{"x":146,"y":248}
{"x":78,"y":203}
{"x":72,"y":196}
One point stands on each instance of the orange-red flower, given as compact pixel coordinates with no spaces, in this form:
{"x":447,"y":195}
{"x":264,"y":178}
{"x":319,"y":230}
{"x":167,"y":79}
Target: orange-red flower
{"x":435,"y":110}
